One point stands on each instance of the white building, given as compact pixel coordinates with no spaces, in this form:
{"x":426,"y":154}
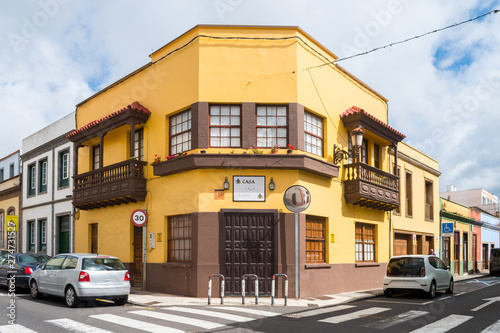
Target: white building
{"x":479,"y":198}
{"x":47,"y":211}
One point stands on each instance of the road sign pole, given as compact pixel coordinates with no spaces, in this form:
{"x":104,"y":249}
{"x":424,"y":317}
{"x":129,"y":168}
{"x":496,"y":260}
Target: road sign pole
{"x":296,"y":255}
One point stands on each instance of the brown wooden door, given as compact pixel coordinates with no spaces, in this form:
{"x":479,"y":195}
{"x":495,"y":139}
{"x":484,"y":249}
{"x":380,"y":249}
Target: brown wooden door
{"x":138,"y":248}
{"x":446,"y":251}
{"x":466,"y":252}
{"x":94,"y":238}
{"x":248,"y":247}
{"x":401,"y":244}
{"x":474,"y":252}
{"x":485,"y":256}
{"x":456,"y":243}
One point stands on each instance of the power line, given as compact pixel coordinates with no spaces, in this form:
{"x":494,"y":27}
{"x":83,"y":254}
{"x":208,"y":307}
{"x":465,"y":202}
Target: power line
{"x":406,"y":40}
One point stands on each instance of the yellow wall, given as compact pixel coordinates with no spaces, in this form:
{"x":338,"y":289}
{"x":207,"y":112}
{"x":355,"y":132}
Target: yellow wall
{"x":231,"y":71}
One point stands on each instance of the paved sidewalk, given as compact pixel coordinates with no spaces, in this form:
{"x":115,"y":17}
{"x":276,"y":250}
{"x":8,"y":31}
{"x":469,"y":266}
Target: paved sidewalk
{"x":153,"y":299}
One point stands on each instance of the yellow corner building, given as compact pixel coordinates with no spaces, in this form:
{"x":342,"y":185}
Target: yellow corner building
{"x":205,"y":140}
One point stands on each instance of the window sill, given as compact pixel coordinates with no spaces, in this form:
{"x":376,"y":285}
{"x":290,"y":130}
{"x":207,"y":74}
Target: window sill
{"x":177,"y":265}
{"x":367,"y":264}
{"x":317,"y":266}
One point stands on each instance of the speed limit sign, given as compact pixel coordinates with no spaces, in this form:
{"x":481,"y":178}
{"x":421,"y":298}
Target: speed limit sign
{"x":139,"y":218}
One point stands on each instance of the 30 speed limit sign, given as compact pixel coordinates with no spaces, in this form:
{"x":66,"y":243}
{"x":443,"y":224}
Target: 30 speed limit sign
{"x":139,"y":218}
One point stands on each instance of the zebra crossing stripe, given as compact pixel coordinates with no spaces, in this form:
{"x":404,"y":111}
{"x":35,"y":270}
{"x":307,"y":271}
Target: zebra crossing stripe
{"x":443,"y":325}
{"x":75,"y":326}
{"x":316,"y":312}
{"x":395,"y":320}
{"x":208,"y":325}
{"x":492,"y":328}
{"x":15,"y":328}
{"x":137,"y":324}
{"x":216,"y":314}
{"x":354,"y":315}
{"x":261,"y":313}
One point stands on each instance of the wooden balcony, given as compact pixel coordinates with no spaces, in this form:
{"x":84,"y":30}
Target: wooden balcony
{"x":367,"y":186}
{"x":116,"y":184}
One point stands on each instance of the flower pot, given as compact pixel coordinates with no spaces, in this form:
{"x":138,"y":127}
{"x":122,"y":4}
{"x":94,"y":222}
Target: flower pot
{"x":289,"y":151}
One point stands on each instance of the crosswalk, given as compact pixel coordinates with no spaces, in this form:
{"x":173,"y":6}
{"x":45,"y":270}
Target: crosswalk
{"x":187,"y":319}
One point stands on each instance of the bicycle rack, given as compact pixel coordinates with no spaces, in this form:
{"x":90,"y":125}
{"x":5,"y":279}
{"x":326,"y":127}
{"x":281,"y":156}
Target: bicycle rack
{"x":221,"y":287}
{"x":273,"y":284}
{"x":256,"y":287}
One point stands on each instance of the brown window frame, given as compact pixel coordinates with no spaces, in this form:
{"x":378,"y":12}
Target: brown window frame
{"x":139,"y":144}
{"x":397,"y":210}
{"x":96,"y":157}
{"x":213,"y":125}
{"x":180,"y":238}
{"x":315,"y":239}
{"x":181,"y":130}
{"x":271,"y":125}
{"x":316,"y":136}
{"x":429,"y":200}
{"x":376,"y":156}
{"x":409,"y":194}
{"x":365,"y":235}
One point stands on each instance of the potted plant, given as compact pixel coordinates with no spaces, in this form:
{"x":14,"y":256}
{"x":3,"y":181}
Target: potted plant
{"x":275,"y":149}
{"x":290,"y":149}
{"x":156,"y":160}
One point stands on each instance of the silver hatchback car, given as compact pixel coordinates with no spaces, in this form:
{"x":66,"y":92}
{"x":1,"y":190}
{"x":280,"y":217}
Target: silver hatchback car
{"x":78,"y":276}
{"x":425,"y":273}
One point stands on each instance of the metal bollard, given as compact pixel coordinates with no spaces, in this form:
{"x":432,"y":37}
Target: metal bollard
{"x":256,"y":288}
{"x":273,"y":284}
{"x":221,"y":288}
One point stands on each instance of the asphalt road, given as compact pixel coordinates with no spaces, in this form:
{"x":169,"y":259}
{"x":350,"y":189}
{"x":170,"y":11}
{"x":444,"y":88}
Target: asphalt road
{"x":474,"y":307}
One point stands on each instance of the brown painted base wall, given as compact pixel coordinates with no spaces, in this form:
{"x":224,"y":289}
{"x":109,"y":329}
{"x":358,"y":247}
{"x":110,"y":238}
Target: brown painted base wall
{"x":191,"y":279}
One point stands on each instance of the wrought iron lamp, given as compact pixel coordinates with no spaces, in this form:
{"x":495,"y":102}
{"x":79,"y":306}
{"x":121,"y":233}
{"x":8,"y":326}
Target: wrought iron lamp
{"x":271,"y":184}
{"x":357,"y":141}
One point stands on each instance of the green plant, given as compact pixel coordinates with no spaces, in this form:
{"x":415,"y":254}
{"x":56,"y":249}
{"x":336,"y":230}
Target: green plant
{"x":275,"y":149}
{"x":255,"y":150}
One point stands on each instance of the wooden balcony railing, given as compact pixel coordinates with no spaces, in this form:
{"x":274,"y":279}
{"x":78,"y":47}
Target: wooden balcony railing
{"x":116,"y":184}
{"x":371,"y":187}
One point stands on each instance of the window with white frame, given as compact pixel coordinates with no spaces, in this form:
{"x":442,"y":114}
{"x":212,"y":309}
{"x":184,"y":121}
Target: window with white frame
{"x":63,"y":168}
{"x":31,"y":179}
{"x":225,"y":126}
{"x":31,"y":236}
{"x":43,"y":176}
{"x":180,"y":132}
{"x":42,"y":235}
{"x":313,"y":133}
{"x":272,"y":126}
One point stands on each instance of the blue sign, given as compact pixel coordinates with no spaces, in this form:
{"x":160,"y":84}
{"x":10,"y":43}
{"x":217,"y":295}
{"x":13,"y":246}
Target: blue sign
{"x":447,"y":228}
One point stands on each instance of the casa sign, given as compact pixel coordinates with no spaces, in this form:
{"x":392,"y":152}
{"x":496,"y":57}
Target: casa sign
{"x":139,"y":218}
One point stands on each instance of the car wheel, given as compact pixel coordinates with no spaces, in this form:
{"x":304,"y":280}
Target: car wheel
{"x":450,"y":288}
{"x":388,"y":293}
{"x":432,"y":290}
{"x":121,"y":301}
{"x":35,"y":293}
{"x":70,"y":297}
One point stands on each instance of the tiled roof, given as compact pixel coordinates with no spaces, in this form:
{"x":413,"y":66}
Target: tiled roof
{"x":356,"y":110}
{"x":134,"y":106}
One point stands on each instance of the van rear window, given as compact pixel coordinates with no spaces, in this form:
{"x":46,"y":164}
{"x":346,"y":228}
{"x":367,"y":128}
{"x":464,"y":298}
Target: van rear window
{"x":495,"y":253}
{"x":406,"y":266}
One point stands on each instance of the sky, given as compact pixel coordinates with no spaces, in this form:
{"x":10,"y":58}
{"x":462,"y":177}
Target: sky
{"x":443,"y":88}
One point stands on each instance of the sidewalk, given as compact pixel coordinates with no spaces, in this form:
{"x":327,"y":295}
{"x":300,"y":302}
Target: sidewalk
{"x":153,"y":299}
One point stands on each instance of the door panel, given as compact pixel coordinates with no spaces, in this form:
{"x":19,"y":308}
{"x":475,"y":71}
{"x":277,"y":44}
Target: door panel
{"x":138,"y":249}
{"x":248,"y":248}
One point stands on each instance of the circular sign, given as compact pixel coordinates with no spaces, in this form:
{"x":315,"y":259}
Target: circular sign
{"x":139,"y":218}
{"x":297,"y":198}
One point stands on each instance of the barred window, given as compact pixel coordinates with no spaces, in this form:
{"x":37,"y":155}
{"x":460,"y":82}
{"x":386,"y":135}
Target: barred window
{"x":180,"y":132}
{"x":313,"y":133}
{"x":179,"y":238}
{"x":225,"y":126}
{"x":365,"y":242}
{"x":271,"y":126}
{"x":315,"y":239}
